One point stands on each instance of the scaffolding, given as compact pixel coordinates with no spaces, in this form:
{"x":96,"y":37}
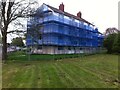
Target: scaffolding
{"x":59,"y":30}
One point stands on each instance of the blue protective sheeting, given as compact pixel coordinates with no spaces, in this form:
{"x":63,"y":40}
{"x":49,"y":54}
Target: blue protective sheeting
{"x":60,"y":31}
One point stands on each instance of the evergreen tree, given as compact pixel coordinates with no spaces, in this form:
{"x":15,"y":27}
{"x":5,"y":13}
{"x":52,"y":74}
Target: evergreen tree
{"x":116,"y":44}
{"x":108,"y":42}
{"x":17,"y":42}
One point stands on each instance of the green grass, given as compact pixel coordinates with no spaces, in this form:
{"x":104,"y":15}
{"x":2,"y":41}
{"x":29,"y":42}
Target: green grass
{"x":94,"y":71}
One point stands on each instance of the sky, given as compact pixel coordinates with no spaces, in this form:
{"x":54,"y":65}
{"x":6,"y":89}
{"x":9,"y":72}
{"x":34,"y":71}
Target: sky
{"x":102,"y":13}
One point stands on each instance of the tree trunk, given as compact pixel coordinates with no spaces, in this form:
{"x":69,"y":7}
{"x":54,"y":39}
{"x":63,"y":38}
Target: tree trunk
{"x":4,"y":47}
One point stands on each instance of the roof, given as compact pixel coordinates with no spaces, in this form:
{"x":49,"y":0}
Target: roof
{"x":68,"y":14}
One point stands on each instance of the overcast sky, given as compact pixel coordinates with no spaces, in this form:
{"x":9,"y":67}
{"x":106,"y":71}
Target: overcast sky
{"x":102,"y":13}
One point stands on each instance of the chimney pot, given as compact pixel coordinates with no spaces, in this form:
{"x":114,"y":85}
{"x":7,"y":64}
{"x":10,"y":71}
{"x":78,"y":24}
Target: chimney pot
{"x":61,"y":7}
{"x":79,"y":14}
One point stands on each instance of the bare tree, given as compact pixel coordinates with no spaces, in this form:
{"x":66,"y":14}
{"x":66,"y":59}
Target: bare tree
{"x":10,"y":12}
{"x":111,"y":31}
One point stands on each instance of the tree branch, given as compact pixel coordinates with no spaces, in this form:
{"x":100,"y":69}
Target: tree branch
{"x":16,"y":31}
{"x":22,"y":13}
{"x":3,"y":4}
{"x":9,"y":10}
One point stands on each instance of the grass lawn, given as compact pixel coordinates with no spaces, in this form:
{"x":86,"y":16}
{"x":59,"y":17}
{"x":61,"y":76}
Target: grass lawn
{"x":94,"y":71}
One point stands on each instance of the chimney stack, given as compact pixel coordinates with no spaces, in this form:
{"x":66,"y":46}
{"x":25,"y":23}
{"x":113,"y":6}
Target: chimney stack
{"x":79,"y":14}
{"x":61,"y":7}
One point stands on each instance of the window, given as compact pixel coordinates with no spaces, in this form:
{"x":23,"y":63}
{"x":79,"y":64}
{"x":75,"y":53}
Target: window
{"x":60,"y":48}
{"x":60,"y":38}
{"x":39,"y":47}
{"x":40,"y":37}
{"x":80,"y":48}
{"x":74,"y":48}
{"x":69,"y":48}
